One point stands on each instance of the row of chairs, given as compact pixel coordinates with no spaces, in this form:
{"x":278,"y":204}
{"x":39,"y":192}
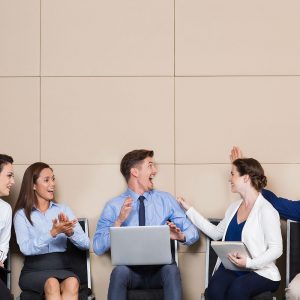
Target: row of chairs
{"x":83,"y":270}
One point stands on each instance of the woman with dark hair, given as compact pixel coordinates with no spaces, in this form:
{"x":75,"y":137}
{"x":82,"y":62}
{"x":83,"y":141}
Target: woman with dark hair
{"x":42,"y":229}
{"x":6,"y":183}
{"x":252,"y":220}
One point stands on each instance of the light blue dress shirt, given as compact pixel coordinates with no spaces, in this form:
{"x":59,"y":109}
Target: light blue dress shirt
{"x":159,"y":206}
{"x":36,"y":239}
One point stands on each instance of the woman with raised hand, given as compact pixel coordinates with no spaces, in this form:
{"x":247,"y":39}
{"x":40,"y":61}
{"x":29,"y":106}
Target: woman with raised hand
{"x":255,"y":222}
{"x":42,"y":229}
{"x":287,"y":209}
{"x":6,"y":183}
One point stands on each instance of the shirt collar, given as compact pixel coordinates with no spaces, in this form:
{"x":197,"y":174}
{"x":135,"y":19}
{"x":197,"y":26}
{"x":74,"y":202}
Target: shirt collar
{"x":136,"y":196}
{"x":50,"y":205}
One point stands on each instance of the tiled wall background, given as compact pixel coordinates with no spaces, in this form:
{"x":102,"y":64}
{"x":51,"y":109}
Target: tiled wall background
{"x":83,"y":82}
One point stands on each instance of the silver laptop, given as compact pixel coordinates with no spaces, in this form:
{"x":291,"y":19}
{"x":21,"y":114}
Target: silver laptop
{"x":140,"y":245}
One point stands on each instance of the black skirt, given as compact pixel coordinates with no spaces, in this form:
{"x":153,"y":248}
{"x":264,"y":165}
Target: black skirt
{"x":38,"y":268}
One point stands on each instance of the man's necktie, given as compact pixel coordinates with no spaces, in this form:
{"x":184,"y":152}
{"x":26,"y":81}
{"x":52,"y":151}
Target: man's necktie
{"x":142,"y":217}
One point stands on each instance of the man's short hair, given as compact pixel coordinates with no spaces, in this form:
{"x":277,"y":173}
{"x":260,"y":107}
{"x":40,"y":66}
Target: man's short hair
{"x":131,"y":159}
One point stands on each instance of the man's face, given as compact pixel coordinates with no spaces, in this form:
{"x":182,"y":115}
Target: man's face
{"x":146,"y":172}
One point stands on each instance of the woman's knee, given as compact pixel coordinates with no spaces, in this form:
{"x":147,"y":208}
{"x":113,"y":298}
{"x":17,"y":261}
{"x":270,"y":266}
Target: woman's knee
{"x":52,"y":286}
{"x":70,"y":285}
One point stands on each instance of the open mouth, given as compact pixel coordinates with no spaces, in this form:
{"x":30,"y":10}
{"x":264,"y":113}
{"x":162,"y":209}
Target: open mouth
{"x":151,"y":178}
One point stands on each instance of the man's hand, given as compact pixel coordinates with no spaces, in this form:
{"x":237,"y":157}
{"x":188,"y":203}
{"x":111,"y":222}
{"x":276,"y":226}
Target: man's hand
{"x":235,"y":153}
{"x":239,"y":260}
{"x":175,"y":232}
{"x":1,"y":264}
{"x":184,"y":203}
{"x":125,"y":211}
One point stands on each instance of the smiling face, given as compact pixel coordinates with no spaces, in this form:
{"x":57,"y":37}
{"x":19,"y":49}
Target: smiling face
{"x":44,"y":186}
{"x":236,"y":180}
{"x":144,"y":173}
{"x":6,"y":179}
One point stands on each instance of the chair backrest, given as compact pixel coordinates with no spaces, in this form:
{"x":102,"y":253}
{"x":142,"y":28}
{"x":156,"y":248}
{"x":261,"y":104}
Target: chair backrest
{"x":292,"y":250}
{"x":81,"y":258}
{"x":210,"y":256}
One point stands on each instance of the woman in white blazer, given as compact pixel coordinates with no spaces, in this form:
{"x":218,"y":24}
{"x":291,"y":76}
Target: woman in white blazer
{"x":252,"y":220}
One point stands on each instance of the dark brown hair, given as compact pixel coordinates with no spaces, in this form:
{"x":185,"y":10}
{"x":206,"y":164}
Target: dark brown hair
{"x":133,"y":158}
{"x":27,"y":198}
{"x":252,"y":168}
{"x":4,"y":160}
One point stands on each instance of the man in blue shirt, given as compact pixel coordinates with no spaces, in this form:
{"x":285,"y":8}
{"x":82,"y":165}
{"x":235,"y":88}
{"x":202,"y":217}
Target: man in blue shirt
{"x":139,"y":170}
{"x":287,"y":209}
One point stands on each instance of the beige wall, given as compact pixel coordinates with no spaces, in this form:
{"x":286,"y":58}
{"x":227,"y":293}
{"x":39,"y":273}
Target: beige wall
{"x":83,"y":82}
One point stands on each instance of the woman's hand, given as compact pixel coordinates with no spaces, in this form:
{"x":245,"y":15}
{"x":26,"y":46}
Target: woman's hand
{"x":62,"y":225}
{"x":184,"y":203}
{"x":239,"y":260}
{"x":235,"y":153}
{"x":62,"y":218}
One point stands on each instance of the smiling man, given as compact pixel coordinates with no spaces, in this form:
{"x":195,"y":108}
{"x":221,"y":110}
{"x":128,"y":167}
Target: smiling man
{"x":158,"y":208}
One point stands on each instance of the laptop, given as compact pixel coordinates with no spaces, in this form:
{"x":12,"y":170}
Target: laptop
{"x":140,"y":245}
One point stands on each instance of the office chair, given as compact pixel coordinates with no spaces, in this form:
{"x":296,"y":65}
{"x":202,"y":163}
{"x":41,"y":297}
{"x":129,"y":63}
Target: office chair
{"x":292,"y":250}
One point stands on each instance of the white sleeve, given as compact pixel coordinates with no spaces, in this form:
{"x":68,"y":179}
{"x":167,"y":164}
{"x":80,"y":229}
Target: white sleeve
{"x":5,"y":232}
{"x":215,"y":232}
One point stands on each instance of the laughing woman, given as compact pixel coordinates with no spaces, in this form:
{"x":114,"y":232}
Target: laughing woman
{"x":6,"y":182}
{"x":42,"y":229}
{"x":252,"y":220}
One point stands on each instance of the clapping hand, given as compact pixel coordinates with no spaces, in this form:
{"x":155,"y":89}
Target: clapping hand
{"x":62,"y":224}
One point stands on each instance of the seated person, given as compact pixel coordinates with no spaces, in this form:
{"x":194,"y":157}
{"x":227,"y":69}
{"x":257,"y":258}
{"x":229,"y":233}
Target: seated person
{"x":6,"y":182}
{"x":42,"y":229}
{"x":287,"y":209}
{"x":154,"y":208}
{"x":252,"y":220}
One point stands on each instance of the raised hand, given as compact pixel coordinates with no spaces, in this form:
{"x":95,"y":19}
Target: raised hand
{"x":235,"y":153}
{"x":175,"y":232}
{"x":184,"y":203}
{"x":125,"y":211}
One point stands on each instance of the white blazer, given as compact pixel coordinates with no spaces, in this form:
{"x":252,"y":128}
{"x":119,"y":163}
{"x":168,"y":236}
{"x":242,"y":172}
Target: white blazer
{"x":261,"y":234}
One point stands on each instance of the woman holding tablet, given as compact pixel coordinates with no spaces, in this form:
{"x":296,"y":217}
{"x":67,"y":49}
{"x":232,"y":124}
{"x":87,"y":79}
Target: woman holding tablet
{"x":252,"y":220}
